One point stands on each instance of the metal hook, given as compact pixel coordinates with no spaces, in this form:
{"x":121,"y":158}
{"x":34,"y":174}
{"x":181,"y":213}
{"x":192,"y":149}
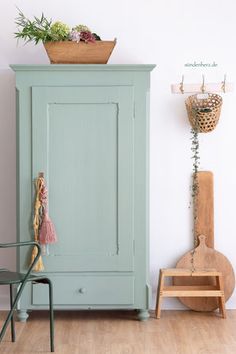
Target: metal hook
{"x":223,"y":84}
{"x":181,"y":85}
{"x":203,"y":87}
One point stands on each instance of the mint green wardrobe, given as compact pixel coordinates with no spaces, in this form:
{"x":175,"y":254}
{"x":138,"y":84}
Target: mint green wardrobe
{"x":86,"y":127}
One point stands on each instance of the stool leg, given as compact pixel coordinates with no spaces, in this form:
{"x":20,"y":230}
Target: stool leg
{"x":220,"y":284}
{"x":159,"y":294}
{"x":13,"y":334}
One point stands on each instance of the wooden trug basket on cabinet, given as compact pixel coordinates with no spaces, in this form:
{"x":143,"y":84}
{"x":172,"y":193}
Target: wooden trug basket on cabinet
{"x":68,"y":52}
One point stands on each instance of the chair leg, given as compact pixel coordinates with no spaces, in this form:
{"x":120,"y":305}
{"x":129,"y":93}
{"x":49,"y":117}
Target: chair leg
{"x":10,"y":314}
{"x":48,"y":281}
{"x":13,"y":333}
{"x":51,"y":315}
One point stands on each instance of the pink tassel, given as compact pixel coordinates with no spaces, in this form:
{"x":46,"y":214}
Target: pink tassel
{"x":47,"y":232}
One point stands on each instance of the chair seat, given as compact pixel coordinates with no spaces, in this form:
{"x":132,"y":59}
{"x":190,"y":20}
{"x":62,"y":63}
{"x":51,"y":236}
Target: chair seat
{"x":8,"y":277}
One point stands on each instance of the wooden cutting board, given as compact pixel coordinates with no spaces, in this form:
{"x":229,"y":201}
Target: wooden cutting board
{"x":205,"y":256}
{"x":204,"y":204}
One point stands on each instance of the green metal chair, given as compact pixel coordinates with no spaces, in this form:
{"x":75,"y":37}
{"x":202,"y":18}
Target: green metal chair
{"x":14,"y":278}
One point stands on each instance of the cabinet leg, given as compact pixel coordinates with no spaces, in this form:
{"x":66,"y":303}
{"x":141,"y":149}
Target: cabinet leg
{"x":143,"y":315}
{"x":22,"y":315}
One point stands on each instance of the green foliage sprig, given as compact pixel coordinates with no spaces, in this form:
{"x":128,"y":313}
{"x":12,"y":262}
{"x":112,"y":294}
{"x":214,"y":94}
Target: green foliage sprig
{"x":36,"y":30}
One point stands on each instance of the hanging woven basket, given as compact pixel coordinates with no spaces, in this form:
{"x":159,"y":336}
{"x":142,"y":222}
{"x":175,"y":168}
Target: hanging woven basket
{"x":204,"y":113}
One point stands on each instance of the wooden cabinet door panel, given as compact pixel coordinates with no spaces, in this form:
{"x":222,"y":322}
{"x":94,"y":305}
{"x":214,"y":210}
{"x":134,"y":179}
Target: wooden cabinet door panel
{"x":82,"y":139}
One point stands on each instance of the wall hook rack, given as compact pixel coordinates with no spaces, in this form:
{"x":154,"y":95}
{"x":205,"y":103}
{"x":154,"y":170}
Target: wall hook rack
{"x":203,"y":87}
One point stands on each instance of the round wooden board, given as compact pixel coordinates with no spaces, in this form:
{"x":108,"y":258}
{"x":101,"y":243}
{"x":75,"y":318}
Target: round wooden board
{"x":205,"y":257}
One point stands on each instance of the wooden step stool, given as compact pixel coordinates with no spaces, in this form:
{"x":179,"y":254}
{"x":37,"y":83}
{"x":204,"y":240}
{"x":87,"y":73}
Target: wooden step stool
{"x":190,"y":290}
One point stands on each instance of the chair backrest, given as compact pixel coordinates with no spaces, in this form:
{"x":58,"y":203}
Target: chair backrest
{"x":20,"y":244}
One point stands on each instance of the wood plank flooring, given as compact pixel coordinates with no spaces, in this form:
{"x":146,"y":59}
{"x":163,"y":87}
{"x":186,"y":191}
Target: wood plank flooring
{"x":118,"y":332}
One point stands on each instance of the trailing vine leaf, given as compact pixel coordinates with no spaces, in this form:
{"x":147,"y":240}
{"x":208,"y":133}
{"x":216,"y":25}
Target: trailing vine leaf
{"x":196,"y":164}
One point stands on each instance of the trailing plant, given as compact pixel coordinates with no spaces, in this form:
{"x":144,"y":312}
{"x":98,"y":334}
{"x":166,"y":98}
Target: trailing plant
{"x":195,"y":184}
{"x":41,"y":29}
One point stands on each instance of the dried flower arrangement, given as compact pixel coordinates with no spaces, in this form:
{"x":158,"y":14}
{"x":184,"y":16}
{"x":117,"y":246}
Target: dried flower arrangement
{"x":42,"y":29}
{"x":64,"y":45}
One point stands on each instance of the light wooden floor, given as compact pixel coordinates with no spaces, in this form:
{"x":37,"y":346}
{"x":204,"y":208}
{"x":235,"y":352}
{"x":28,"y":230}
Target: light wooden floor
{"x":95,"y":332}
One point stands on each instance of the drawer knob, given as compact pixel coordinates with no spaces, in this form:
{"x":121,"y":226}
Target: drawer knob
{"x":82,"y":290}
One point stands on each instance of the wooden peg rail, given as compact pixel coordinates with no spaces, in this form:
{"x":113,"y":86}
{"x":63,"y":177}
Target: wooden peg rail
{"x":216,"y":290}
{"x":197,"y":88}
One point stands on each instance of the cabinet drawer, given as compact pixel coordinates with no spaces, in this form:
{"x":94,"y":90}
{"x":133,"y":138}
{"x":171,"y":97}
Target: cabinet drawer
{"x":87,"y":290}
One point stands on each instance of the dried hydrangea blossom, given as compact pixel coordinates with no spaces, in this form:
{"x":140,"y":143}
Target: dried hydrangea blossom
{"x":59,"y":31}
{"x":82,"y":28}
{"x":74,"y":36}
{"x":87,"y":37}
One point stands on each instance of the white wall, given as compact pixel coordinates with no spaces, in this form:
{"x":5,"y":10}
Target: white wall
{"x":168,"y":33}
